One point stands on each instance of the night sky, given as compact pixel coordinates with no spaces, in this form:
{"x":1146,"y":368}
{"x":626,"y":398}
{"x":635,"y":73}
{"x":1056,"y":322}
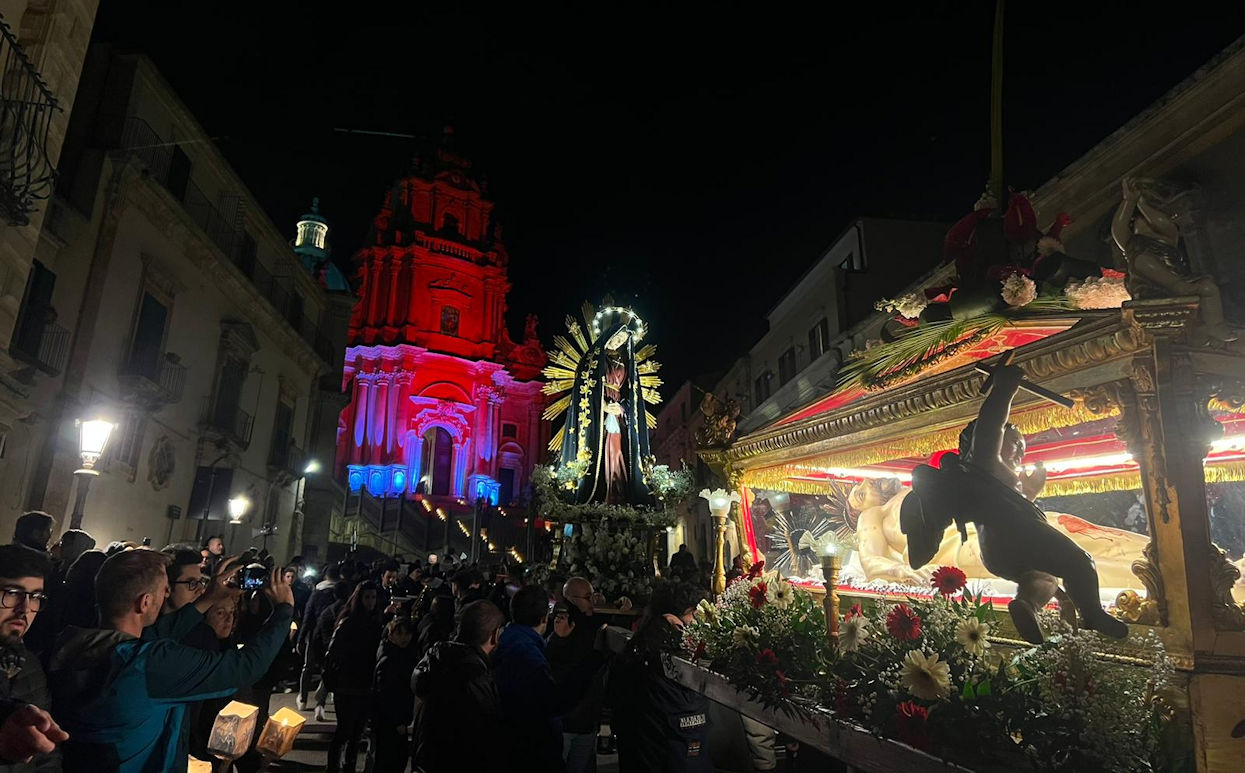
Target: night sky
{"x":692,"y":161}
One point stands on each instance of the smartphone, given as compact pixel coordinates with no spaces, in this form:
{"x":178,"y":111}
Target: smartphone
{"x":253,"y":577}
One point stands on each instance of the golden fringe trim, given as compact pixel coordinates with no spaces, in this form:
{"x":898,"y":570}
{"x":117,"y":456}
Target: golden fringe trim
{"x":1028,"y":421}
{"x":1124,"y":481}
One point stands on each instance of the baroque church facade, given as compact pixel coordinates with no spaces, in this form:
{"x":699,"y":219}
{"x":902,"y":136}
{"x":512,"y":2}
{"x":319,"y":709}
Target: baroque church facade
{"x":443,"y":403}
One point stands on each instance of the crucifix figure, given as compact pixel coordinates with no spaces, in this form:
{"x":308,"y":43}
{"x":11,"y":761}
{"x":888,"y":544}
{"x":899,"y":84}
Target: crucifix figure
{"x":982,"y":485}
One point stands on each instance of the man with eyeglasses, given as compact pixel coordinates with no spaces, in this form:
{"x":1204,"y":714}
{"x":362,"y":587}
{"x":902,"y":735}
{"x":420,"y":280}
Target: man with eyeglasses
{"x":24,"y":693}
{"x":186,"y":579}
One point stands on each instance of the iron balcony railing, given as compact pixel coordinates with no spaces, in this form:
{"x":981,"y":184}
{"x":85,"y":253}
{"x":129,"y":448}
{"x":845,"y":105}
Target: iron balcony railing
{"x":45,"y":345}
{"x":162,"y":379}
{"x":232,"y":422}
{"x":26,"y":108}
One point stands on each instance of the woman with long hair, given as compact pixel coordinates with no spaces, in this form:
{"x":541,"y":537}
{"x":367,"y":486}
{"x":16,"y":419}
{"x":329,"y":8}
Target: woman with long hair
{"x":349,"y":663}
{"x":660,"y":724}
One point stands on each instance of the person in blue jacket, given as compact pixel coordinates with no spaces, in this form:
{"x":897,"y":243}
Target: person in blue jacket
{"x":121,"y":690}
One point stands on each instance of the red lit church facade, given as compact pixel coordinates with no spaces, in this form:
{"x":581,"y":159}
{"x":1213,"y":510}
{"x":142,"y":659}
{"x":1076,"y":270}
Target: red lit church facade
{"x":443,"y":403}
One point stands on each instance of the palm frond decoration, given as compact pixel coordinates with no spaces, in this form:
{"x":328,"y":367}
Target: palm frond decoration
{"x":650,"y":420}
{"x":559,"y":357}
{"x":554,"y":409}
{"x":556,"y":442}
{"x":558,"y":371}
{"x":651,"y":366}
{"x":646,"y":351}
{"x":928,"y":344}
{"x":557,"y":385}
{"x":651,"y":381}
{"x":567,"y":347}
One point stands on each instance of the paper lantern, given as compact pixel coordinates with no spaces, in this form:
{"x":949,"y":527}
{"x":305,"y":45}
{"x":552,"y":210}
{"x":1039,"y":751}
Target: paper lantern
{"x":279,"y":733}
{"x":198,"y":766}
{"x":232,"y":730}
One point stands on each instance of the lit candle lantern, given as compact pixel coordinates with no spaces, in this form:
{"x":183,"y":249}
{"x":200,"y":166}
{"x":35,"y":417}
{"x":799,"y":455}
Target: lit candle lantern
{"x":279,"y":733}
{"x":831,"y":564}
{"x":232,"y":730}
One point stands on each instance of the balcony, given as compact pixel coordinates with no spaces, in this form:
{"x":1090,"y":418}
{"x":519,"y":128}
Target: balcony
{"x":156,"y":382}
{"x":286,"y":456}
{"x":448,"y":247}
{"x":44,"y":345}
{"x":231,"y":424}
{"x":26,"y":108}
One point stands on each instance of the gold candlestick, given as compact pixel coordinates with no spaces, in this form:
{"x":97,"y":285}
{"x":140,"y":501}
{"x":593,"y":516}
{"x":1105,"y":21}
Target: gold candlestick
{"x":831,"y":563}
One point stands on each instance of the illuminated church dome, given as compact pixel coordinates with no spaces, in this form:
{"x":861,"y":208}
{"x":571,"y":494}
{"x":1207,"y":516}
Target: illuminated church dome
{"x":311,"y":244}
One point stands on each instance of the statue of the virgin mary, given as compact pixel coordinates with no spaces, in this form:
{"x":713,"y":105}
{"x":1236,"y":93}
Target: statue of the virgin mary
{"x":608,"y":378}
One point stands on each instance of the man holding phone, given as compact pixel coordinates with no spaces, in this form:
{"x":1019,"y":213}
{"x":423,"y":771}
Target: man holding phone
{"x":120,"y":691}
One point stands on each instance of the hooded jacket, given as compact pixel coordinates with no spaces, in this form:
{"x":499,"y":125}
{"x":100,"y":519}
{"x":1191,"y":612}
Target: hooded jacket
{"x":453,"y":691}
{"x":123,"y":700}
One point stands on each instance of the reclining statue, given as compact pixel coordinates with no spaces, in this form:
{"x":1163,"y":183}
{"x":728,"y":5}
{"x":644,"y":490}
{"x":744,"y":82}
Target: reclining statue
{"x":980,"y":485}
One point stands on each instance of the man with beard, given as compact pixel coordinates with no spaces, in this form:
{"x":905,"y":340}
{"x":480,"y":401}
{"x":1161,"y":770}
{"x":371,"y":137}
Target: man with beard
{"x":21,"y":677}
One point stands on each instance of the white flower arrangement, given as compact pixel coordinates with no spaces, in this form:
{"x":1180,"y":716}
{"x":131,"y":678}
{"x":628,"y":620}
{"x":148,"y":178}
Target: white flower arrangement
{"x":1018,"y":290}
{"x":925,"y":677}
{"x":1098,"y":292}
{"x":908,"y":306}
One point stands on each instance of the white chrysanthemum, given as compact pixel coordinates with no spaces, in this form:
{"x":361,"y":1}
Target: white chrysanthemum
{"x":745,"y":635}
{"x":971,"y":634}
{"x":852,"y":633}
{"x":779,"y":593}
{"x":925,"y":677}
{"x":1018,"y":290}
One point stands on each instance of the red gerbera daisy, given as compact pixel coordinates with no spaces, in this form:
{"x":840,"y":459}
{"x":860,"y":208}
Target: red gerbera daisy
{"x":948,"y":580}
{"x":782,"y":682}
{"x":756,"y":569}
{"x":910,"y":721}
{"x":700,"y":651}
{"x":855,"y":611}
{"x":767,"y":656}
{"x":756,"y":594}
{"x":903,"y":623}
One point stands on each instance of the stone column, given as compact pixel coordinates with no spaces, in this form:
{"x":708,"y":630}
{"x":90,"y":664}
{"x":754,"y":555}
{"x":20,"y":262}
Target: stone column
{"x":362,"y":387}
{"x":380,"y":411}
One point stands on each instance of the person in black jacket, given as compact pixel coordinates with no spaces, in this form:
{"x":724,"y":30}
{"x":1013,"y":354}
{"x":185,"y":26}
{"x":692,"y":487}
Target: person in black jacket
{"x":454,"y":692}
{"x":661,"y":725}
{"x":313,"y":656}
{"x":570,"y":644}
{"x":348,"y":664}
{"x":437,"y":625}
{"x":393,"y":703}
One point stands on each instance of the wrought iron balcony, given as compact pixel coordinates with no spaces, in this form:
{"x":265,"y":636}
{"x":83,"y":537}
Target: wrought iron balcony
{"x":285,"y":456}
{"x":26,"y":108}
{"x":157,"y":381}
{"x":229,"y":423}
{"x":44,"y":345}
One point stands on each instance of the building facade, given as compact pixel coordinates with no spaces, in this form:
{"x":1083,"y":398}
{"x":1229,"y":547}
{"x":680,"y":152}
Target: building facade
{"x":192,"y":325}
{"x":794,"y":361}
{"x":43,"y":46}
{"x":443,"y":403}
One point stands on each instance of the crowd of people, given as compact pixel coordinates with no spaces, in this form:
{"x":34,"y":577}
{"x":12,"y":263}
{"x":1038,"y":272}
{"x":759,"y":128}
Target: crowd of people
{"x":120,"y":659}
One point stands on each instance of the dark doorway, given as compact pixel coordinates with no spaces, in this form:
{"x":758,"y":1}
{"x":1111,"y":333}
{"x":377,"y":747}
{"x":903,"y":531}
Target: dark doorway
{"x":439,"y":460}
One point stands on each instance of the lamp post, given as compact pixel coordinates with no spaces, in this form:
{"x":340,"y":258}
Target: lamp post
{"x":719,"y":506}
{"x":201,"y":529}
{"x":300,"y":503}
{"x":237,"y":509}
{"x":92,"y":439}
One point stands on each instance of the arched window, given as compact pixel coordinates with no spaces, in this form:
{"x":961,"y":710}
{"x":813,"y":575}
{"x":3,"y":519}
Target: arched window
{"x":438,"y":462}
{"x":449,"y":225}
{"x":449,"y":321}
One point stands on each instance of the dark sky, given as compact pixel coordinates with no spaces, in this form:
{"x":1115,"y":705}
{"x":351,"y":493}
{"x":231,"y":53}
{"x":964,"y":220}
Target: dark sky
{"x":692,"y":161}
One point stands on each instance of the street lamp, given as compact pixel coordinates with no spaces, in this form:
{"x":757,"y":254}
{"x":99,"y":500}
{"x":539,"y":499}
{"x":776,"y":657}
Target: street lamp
{"x":92,"y":439}
{"x":237,"y":509}
{"x":720,"y":504}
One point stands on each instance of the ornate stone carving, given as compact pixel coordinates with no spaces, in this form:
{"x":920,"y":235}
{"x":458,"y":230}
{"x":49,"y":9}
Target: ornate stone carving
{"x":1153,"y":609}
{"x":161,"y":463}
{"x":720,"y":420}
{"x":1223,"y":575}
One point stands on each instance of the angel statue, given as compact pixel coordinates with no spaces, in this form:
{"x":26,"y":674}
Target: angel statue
{"x":1149,"y":238}
{"x":608,"y":377}
{"x":981,"y":485}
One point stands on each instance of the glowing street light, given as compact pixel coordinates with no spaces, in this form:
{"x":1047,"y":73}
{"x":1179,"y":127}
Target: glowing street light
{"x":237,"y":509}
{"x":92,"y":439}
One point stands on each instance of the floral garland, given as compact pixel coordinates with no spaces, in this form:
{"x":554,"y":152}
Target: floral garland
{"x":925,"y":672}
{"x":670,"y":487}
{"x":614,"y":556}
